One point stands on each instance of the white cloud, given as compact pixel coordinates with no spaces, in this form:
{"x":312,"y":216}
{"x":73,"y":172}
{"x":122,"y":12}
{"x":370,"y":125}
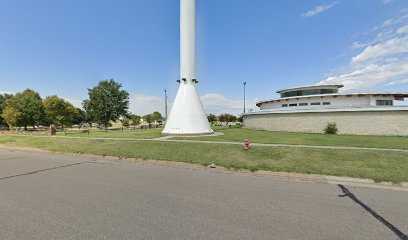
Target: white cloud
{"x":390,"y":47}
{"x":143,"y":104}
{"x":319,"y":9}
{"x":214,"y":103}
{"x":402,"y":30}
{"x":370,"y":75}
{"x":76,"y":102}
{"x":5,"y":92}
{"x":380,"y":61}
{"x":386,"y":1}
{"x":357,"y":45}
{"x":217,"y":103}
{"x":398,"y":82}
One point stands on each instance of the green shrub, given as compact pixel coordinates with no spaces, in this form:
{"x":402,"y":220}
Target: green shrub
{"x":331,"y":128}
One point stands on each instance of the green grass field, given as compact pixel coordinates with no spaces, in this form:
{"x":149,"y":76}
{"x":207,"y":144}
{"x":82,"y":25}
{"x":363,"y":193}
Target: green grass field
{"x":257,"y":136}
{"x":378,"y":165}
{"x":116,"y":133}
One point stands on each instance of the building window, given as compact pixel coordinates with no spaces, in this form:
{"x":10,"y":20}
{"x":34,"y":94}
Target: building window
{"x":303,"y":104}
{"x":385,"y":103}
{"x":293,"y":105}
{"x":284,"y":105}
{"x":315,"y":104}
{"x":326,"y":103}
{"x":307,"y":92}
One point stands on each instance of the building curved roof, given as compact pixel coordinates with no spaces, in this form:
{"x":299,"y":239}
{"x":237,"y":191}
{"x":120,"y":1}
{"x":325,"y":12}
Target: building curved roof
{"x":318,"y":86}
{"x":401,"y":95}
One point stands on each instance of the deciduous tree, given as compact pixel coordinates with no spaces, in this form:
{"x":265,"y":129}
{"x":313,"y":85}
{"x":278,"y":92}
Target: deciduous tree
{"x":58,"y":111}
{"x":30,"y":106}
{"x":212,"y":118}
{"x":107,"y":102}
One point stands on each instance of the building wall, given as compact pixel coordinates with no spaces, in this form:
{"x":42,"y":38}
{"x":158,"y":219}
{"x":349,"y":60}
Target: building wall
{"x":358,"y":123}
{"x":340,"y":101}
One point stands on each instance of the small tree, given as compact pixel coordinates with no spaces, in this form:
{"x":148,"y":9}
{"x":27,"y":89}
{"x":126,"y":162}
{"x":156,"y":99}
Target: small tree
{"x":3,"y":100}
{"x":11,"y":116}
{"x":134,"y":119}
{"x":107,"y":102}
{"x":58,"y":111}
{"x":212,"y":118}
{"x":125,"y":122}
{"x":148,"y":118}
{"x":331,"y":128}
{"x":30,"y":106}
{"x":156,"y":116}
{"x":79,"y":117}
{"x":225,"y":117}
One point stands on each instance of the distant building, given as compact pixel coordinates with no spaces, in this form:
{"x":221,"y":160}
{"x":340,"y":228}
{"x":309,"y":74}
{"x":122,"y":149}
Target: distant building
{"x":310,"y":108}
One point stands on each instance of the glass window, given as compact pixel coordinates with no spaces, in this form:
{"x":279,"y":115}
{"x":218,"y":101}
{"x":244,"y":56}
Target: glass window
{"x":293,"y":105}
{"x":308,"y":92}
{"x":303,"y":104}
{"x":284,"y":105}
{"x":326,"y":103}
{"x":385,"y":103}
{"x":315,"y":104}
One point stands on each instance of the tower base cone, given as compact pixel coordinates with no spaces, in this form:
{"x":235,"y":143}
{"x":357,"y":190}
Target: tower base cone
{"x":187,"y":116}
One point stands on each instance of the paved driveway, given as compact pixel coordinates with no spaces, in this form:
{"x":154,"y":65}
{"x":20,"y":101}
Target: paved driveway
{"x":50,"y":196}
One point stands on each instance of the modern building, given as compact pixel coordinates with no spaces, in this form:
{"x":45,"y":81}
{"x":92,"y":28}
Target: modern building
{"x":311,"y":108}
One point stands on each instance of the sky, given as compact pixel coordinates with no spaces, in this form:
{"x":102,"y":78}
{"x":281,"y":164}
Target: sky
{"x":65,"y":47}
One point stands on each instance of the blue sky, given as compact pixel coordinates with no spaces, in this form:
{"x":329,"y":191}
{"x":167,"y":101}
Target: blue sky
{"x":64,"y":47}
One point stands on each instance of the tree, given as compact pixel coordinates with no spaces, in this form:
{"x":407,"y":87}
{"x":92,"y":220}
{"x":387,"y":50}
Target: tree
{"x":79,"y":117}
{"x":125,"y":121}
{"x":212,"y":118}
{"x":148,"y":118}
{"x":134,"y":119}
{"x":107,"y":102}
{"x":58,"y":111}
{"x":30,"y":106}
{"x":225,"y":117}
{"x":11,"y":116}
{"x":156,"y":116}
{"x":3,"y":99}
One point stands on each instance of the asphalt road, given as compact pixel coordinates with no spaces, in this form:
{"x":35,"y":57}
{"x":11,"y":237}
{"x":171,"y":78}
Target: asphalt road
{"x":49,"y":196}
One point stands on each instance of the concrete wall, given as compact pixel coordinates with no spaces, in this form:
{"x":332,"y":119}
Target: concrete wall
{"x":358,"y":123}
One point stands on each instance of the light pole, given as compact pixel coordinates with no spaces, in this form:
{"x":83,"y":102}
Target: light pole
{"x":244,"y":95}
{"x":165,"y":104}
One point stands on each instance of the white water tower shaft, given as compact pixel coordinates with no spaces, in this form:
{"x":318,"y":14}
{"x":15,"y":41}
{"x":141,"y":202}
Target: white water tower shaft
{"x":187,"y":116}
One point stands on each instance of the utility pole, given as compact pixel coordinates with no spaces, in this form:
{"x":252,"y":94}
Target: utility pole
{"x":244,"y":97}
{"x":165,"y":104}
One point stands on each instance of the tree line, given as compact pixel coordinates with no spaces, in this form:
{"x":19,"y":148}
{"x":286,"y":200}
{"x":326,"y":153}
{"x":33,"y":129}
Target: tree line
{"x":107,"y":102}
{"x":225,"y":118}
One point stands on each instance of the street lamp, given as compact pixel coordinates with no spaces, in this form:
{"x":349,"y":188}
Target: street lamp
{"x":165,"y":103}
{"x":244,"y":95}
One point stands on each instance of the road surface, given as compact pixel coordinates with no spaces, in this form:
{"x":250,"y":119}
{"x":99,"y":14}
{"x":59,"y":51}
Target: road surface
{"x":51,"y":196}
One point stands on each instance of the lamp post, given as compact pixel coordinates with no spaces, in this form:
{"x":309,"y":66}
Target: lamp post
{"x":165,"y":104}
{"x":244,"y":95}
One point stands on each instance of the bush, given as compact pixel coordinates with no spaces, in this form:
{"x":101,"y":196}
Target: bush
{"x":331,"y":128}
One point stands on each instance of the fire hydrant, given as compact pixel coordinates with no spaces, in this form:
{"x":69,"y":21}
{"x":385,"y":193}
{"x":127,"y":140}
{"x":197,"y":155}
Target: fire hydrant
{"x":246,"y":144}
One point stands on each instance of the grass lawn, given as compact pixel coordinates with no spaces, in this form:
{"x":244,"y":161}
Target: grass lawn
{"x":256,"y":136}
{"x":116,"y":133}
{"x":377,"y":165}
